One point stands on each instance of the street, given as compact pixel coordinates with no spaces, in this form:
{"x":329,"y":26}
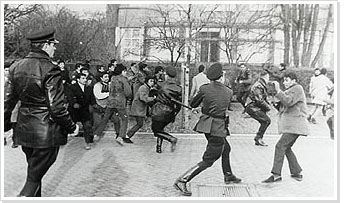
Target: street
{"x":136,"y":170}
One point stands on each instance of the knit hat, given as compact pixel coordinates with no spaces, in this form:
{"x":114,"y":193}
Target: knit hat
{"x":214,"y":72}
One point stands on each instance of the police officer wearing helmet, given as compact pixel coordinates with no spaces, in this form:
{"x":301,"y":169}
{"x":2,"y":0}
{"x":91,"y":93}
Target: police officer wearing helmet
{"x":43,"y":120}
{"x":216,"y":99}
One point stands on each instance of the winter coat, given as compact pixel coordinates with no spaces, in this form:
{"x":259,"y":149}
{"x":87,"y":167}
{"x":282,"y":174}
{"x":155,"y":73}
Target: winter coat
{"x":84,"y":99}
{"x":43,"y":120}
{"x":257,"y":99}
{"x":165,"y":110}
{"x":139,"y":106}
{"x":216,"y":99}
{"x":120,"y":90}
{"x":293,"y":111}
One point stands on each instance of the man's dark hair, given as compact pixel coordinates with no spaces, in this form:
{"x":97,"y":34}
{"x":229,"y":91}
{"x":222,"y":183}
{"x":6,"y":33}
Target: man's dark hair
{"x":101,"y":74}
{"x":119,"y":68}
{"x":78,"y":65}
{"x":147,"y":78}
{"x":78,"y":76}
{"x":201,"y":68}
{"x":158,"y":69}
{"x":84,"y":68}
{"x":292,"y":75}
{"x":323,"y":71}
{"x":142,"y":66}
{"x":37,"y":45}
{"x":132,"y":64}
{"x":113,"y":60}
{"x":60,"y":61}
{"x":109,"y":65}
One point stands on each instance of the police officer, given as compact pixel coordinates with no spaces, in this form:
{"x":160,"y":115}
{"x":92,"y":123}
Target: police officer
{"x":216,"y":99}
{"x":43,"y":120}
{"x":257,"y":106}
{"x":165,"y":109}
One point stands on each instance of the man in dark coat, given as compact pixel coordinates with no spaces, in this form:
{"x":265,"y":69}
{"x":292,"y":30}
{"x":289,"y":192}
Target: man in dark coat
{"x":257,"y":106}
{"x":80,"y":99}
{"x":243,"y":81}
{"x":43,"y":120}
{"x":165,"y":109}
{"x":216,"y":99}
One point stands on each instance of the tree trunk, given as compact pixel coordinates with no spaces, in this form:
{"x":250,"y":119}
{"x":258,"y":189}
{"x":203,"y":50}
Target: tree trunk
{"x":312,"y":37}
{"x":322,"y":42}
{"x":112,"y":22}
{"x":294,"y":33}
{"x":286,"y":31}
{"x":307,"y":24}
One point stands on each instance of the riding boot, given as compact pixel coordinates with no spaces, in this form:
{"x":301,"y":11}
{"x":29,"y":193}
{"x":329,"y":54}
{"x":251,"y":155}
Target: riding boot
{"x":159,"y":145}
{"x":30,"y":189}
{"x":173,"y":140}
{"x":180,"y":183}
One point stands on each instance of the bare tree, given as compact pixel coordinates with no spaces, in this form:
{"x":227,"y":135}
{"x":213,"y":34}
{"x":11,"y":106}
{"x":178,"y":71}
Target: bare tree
{"x":285,"y":17}
{"x":169,"y":32}
{"x":238,"y":22}
{"x":323,"y":39}
{"x":13,"y":13}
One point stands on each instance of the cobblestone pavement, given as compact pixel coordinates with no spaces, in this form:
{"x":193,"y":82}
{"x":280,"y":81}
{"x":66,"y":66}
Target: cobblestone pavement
{"x":135,"y":170}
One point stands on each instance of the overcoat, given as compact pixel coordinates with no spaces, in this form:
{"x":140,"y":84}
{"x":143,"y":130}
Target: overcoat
{"x":43,"y":119}
{"x":216,"y":99}
{"x":84,"y":98}
{"x":293,"y":111}
{"x":139,"y":106}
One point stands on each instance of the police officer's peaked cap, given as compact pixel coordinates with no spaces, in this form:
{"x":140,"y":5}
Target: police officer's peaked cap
{"x":214,"y":72}
{"x":41,"y":36}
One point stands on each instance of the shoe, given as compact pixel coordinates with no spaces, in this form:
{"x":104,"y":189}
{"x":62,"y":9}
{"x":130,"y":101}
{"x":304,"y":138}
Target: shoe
{"x":260,"y":142}
{"x":232,"y":178}
{"x":127,"y":140}
{"x":14,"y":146}
{"x":272,"y":179}
{"x":96,"y":138}
{"x":120,"y":142}
{"x":173,"y":147}
{"x":297,"y":177}
{"x":88,"y":146}
{"x":181,"y":186}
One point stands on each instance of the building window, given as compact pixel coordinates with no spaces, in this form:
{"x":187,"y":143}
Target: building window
{"x":209,"y":42}
{"x":131,"y":41}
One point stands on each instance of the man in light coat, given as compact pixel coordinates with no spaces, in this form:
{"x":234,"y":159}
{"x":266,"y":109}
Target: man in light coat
{"x":139,"y":107}
{"x":292,"y":124}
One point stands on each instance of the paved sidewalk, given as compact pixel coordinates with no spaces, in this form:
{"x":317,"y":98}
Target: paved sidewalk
{"x":111,"y":170}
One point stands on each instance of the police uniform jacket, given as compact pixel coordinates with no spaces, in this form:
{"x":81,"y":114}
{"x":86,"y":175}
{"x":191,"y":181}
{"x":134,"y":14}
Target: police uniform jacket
{"x":293,"y":111}
{"x":257,"y":99}
{"x":216,"y":99}
{"x":119,"y":91}
{"x":139,"y":105}
{"x":165,"y":110}
{"x":43,"y":119}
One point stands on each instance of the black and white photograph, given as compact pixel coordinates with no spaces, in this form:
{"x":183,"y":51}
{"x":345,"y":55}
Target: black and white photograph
{"x":170,"y":100}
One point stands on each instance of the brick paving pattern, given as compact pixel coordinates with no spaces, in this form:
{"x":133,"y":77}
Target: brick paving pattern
{"x":111,"y":170}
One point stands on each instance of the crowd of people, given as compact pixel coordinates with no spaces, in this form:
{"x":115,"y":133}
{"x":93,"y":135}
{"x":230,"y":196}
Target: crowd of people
{"x":49,"y":101}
